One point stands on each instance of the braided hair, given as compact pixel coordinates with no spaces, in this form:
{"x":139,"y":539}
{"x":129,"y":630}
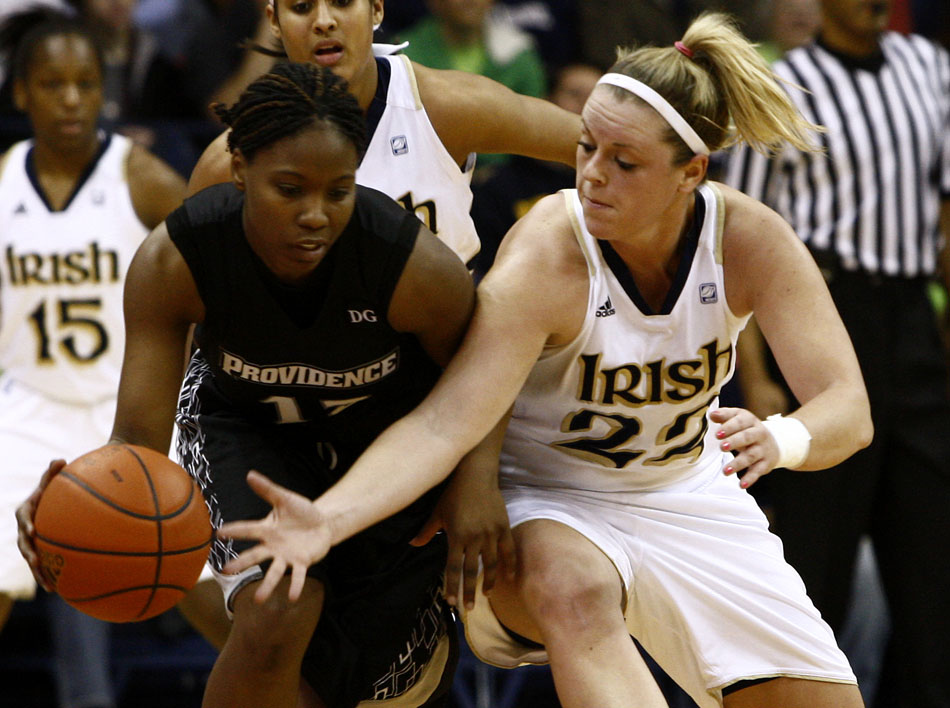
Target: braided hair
{"x":23,"y":32}
{"x":288,"y":99}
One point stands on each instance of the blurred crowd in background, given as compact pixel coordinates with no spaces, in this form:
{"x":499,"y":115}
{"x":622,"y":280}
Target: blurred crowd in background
{"x":167,"y":61}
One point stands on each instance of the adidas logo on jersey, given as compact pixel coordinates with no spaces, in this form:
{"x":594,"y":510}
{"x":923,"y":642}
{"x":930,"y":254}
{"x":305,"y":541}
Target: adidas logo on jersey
{"x":399,"y":145}
{"x":708,"y":293}
{"x":606,"y":310}
{"x":21,"y":209}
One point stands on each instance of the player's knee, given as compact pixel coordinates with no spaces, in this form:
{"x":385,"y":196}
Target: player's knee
{"x":575,"y":603}
{"x":272,"y":631}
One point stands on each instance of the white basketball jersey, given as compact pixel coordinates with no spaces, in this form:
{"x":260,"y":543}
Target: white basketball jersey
{"x":623,"y":407}
{"x":406,"y":160}
{"x":62,"y":275}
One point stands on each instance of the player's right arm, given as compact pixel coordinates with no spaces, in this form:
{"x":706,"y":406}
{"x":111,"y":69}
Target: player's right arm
{"x":161,"y":303}
{"x":472,"y":113}
{"x":770,"y":273}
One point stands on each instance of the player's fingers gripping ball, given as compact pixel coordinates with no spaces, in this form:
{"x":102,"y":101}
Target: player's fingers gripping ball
{"x":123,"y":533}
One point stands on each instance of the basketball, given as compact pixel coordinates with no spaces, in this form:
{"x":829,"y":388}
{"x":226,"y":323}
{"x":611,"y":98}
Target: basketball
{"x":123,"y":533}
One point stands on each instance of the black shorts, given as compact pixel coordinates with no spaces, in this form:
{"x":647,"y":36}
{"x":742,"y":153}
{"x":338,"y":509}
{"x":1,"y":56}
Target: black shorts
{"x":384,"y":614}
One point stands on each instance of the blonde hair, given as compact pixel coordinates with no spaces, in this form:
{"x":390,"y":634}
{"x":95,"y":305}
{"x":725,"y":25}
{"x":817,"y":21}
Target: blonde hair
{"x":725,"y":90}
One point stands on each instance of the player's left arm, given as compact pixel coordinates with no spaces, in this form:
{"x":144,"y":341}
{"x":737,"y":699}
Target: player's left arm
{"x":155,"y":188}
{"x":472,"y":113}
{"x":769,"y":272}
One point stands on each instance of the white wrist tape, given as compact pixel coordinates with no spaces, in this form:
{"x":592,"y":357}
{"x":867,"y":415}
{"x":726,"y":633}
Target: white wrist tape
{"x":792,"y":438}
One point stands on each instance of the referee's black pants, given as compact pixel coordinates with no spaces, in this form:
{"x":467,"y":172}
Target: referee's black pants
{"x":897,"y":490}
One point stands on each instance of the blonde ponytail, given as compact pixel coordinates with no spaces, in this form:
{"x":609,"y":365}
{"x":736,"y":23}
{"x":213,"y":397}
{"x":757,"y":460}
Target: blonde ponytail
{"x":724,"y":89}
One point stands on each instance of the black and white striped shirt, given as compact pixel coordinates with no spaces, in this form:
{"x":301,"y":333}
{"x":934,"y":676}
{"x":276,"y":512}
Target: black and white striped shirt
{"x":873,"y":197}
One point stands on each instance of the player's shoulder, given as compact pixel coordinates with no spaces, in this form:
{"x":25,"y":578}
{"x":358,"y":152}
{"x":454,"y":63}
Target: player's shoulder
{"x":7,"y":157}
{"x":214,"y":165}
{"x":544,"y":240}
{"x":552,"y":210}
{"x":541,"y":269}
{"x":755,"y":240}
{"x":155,"y":187}
{"x":211,"y":206}
{"x":746,"y":220}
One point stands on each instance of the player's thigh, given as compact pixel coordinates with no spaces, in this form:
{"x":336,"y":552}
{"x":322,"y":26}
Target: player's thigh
{"x":556,"y":566}
{"x":796,"y":693}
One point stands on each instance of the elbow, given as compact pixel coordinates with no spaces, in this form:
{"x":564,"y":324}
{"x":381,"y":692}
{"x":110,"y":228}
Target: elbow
{"x":864,"y":434}
{"x":864,"y":426}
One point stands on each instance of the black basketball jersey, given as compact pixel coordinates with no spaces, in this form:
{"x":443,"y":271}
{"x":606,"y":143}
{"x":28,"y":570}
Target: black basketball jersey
{"x":322,"y":354}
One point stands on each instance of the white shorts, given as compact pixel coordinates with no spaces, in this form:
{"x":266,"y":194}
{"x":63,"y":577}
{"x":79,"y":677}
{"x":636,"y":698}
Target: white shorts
{"x":33,"y":431}
{"x":709,"y":594}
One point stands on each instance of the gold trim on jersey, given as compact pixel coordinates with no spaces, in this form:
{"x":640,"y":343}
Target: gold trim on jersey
{"x":720,"y":220}
{"x":5,"y":158}
{"x":412,"y":81}
{"x":126,"y":159}
{"x":570,"y":199}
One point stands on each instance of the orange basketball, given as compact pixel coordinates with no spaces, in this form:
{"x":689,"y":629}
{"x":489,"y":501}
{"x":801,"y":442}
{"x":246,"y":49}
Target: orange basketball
{"x":124,"y":533}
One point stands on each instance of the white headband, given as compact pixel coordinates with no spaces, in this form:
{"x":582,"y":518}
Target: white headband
{"x":662,"y":106}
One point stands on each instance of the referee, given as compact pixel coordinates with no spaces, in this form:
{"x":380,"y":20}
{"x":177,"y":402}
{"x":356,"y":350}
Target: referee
{"x":869,"y":208}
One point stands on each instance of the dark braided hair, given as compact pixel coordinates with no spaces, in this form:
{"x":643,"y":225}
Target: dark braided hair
{"x":288,"y":99}
{"x":23,"y":32}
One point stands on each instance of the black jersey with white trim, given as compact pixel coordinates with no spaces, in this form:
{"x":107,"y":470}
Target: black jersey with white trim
{"x":323,"y":354}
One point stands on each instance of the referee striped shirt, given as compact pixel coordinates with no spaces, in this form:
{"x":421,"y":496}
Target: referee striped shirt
{"x":873,"y":196}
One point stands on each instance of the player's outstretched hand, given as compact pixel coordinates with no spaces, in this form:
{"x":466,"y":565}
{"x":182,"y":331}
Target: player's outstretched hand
{"x":742,"y":433}
{"x":25,"y":530}
{"x":475,"y":520}
{"x":293,"y":534}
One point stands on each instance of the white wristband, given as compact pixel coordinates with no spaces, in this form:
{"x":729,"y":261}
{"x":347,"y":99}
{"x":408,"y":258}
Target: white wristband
{"x":792,"y":438}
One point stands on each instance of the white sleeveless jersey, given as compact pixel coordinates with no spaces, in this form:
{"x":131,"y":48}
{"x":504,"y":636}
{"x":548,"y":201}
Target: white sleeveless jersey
{"x":623,"y":407}
{"x":406,"y":160}
{"x":62,"y":275}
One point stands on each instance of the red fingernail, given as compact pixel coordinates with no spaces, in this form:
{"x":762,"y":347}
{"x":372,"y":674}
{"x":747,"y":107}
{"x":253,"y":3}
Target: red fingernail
{"x":725,"y":446}
{"x":721,"y":434}
{"x":743,"y":484}
{"x":730,"y":469}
